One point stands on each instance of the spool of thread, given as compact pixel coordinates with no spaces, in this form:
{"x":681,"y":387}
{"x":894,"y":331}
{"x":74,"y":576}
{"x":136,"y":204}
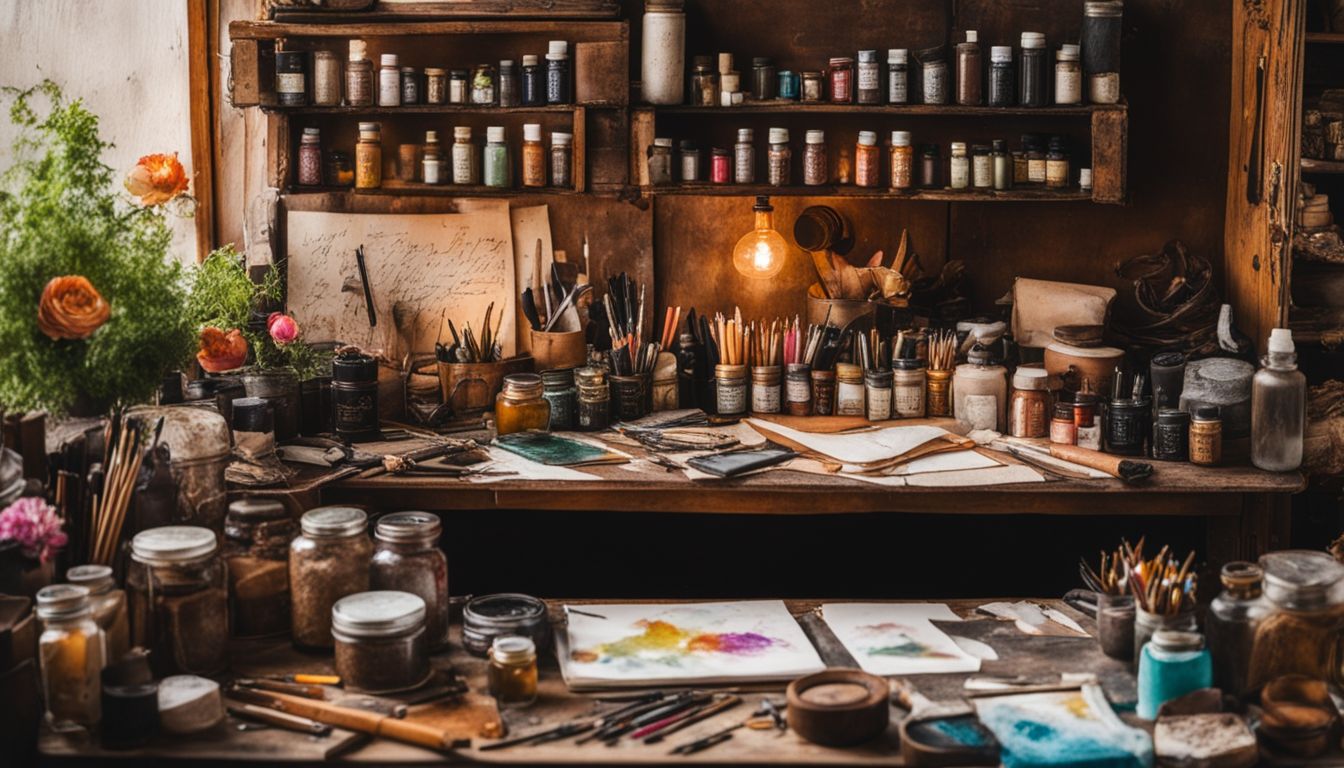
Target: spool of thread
{"x":130,"y":715}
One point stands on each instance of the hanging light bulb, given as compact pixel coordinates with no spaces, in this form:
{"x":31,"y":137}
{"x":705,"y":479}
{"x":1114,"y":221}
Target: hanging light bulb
{"x":761,"y":252}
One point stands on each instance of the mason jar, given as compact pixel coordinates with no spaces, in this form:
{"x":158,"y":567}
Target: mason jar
{"x":177,"y":592}
{"x":257,"y":534}
{"x":329,"y":561}
{"x":380,"y":641}
{"x":407,"y":558}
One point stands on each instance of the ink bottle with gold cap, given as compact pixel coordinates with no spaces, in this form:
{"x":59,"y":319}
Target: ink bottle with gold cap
{"x":513,"y":671}
{"x":520,"y":406}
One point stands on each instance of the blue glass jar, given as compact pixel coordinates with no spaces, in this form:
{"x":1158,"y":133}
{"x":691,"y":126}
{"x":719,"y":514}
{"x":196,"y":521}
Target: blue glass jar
{"x":789,"y":83}
{"x":1171,"y":665}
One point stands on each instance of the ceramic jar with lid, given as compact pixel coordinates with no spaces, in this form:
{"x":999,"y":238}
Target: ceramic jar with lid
{"x":70,"y":655}
{"x":980,"y":392}
{"x":329,"y":561}
{"x":257,"y":534}
{"x":1078,"y":359}
{"x":177,"y":592}
{"x":107,"y":603}
{"x":380,"y":641}
{"x":407,"y":558}
{"x":1304,"y":631}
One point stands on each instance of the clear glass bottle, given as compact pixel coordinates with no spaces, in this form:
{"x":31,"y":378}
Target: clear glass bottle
{"x":497,"y":171}
{"x":389,"y":81}
{"x":959,"y":167}
{"x":813,"y":88}
{"x":519,"y":407}
{"x":436,"y":85}
{"x":483,"y":85}
{"x":779,"y":160}
{"x":459,"y":89}
{"x":744,"y":157}
{"x":508,"y":84}
{"x":816,"y":169}
{"x":1003,"y":165}
{"x":660,"y":162}
{"x":329,"y":561}
{"x":108,"y":603}
{"x":257,"y":533}
{"x":326,"y":79}
{"x":178,"y":598}
{"x":982,"y":167}
{"x":380,"y":642}
{"x":902,"y":160}
{"x":466,"y":169}
{"x":704,"y":83}
{"x":1303,"y":633}
{"x":562,"y":160}
{"x":558,"y":87}
{"x":1278,"y":407}
{"x":407,"y":558}
{"x":898,"y":76}
{"x":868,"y":79}
{"x":969,"y":76}
{"x":1234,"y":615}
{"x":70,"y":655}
{"x":359,"y":76}
{"x":512,"y":673}
{"x":690,"y":161}
{"x":867,"y":161}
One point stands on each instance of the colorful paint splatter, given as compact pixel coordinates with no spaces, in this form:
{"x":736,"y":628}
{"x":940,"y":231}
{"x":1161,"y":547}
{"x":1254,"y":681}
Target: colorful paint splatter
{"x":666,"y":642}
{"x":898,"y":640}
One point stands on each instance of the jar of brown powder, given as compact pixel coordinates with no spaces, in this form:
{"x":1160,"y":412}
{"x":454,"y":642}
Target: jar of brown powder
{"x":329,"y":561}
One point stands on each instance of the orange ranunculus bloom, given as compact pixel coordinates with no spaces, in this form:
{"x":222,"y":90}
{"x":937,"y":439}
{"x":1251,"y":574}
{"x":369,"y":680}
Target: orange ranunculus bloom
{"x":221,"y":350}
{"x":71,"y":308}
{"x":156,"y":179}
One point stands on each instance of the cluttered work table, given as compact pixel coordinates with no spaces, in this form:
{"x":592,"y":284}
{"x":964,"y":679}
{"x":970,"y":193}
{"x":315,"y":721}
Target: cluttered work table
{"x":471,"y":720}
{"x":1245,"y":510}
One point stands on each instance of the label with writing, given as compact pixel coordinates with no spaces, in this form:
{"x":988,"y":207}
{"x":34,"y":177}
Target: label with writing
{"x":868,"y":77}
{"x":909,"y":401}
{"x":732,"y":397}
{"x":1104,"y":88}
{"x":765,"y":398}
{"x":849,"y":399}
{"x":1068,"y":85}
{"x":879,"y":403}
{"x":980,"y":412}
{"x":798,"y":391}
{"x":898,"y":86}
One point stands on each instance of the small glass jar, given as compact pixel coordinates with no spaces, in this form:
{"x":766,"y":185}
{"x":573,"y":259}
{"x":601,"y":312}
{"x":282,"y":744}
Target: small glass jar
{"x":436,"y":85}
{"x":930,"y":167}
{"x":1303,"y":634}
{"x":1068,"y":76}
{"x":1056,"y":168}
{"x":720,"y":166}
{"x":766,"y":388}
{"x":744,"y":157}
{"x":380,"y":642}
{"x":594,"y":404}
{"x":1002,"y":90}
{"x":512,"y":673}
{"x":407,"y":558}
{"x":497,"y":170}
{"x":868,"y":80}
{"x":779,"y":160}
{"x":812,"y":88}
{"x":982,"y":167}
{"x":487,"y":617}
{"x":509,"y":95}
{"x":108,"y":604}
{"x":1028,"y":413}
{"x":466,"y":168}
{"x":483,"y":85}
{"x":177,"y":594}
{"x":1171,"y":435}
{"x":369,"y":157}
{"x":326,"y":79}
{"x":849,"y":390}
{"x":689,"y":162}
{"x":459,"y":86}
{"x":867,"y":161}
{"x":562,"y":160}
{"x":70,"y":656}
{"x":959,"y":176}
{"x":909,"y":388}
{"x":840,"y":73}
{"x":1031,"y":70}
{"x":704,"y":83}
{"x":660,"y":162}
{"x":1115,"y":626}
{"x":980,"y":390}
{"x":1206,"y":437}
{"x":798,"y":389}
{"x":1172,"y":665}
{"x":902,"y":160}
{"x":359,"y":76}
{"x":789,"y":84}
{"x":410,"y":86}
{"x":1002,"y":163}
{"x":823,"y":392}
{"x":938,"y":393}
{"x":1101,"y":49}
{"x":1231,"y":623}
{"x":1036,"y":159}
{"x":898,"y":76}
{"x":933,"y":74}
{"x":291,"y":85}
{"x":631,"y":397}
{"x":519,"y":407}
{"x":310,"y":158}
{"x":1087,"y":428}
{"x":1146,"y":624}
{"x":816,"y":170}
{"x":762,"y":79}
{"x":257,"y":534}
{"x":730,"y":386}
{"x":1062,"y":429}
{"x":389,"y":81}
{"x":431,"y":170}
{"x":1021,"y":168}
{"x":534,"y":156}
{"x":533,"y":85}
{"x":340,"y":169}
{"x":329,"y":561}
{"x":558,"y":87}
{"x":559,"y":389}
{"x":877,"y":388}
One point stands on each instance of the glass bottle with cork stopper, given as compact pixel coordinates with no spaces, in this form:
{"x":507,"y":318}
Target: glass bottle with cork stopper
{"x":359,"y":75}
{"x":519,"y":407}
{"x":512,"y":672}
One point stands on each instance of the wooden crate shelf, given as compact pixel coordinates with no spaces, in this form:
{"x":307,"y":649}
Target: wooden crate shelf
{"x":1312,"y":165}
{"x":785,"y":107}
{"x":429,"y":10}
{"x":838,"y":190}
{"x":423,"y":109}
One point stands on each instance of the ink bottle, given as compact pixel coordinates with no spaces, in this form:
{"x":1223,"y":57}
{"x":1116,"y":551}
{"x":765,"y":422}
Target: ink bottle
{"x":1231,"y":623}
{"x":512,"y":673}
{"x":798,"y":389}
{"x":877,"y":388}
{"x":823,"y":392}
{"x":520,"y":406}
{"x":594,"y":405}
{"x":559,"y":389}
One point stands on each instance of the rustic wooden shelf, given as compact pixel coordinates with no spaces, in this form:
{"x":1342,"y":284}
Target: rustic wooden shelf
{"x":848,"y":190}
{"x":1312,"y":165}
{"x":1326,"y":38}
{"x":424,"y":109}
{"x":412,"y":188}
{"x":784,"y":107}
{"x":374,"y":27}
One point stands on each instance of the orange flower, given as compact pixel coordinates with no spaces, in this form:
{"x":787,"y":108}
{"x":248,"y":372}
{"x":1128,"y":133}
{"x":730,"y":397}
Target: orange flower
{"x":71,"y":308}
{"x":221,"y":350}
{"x":156,"y":179}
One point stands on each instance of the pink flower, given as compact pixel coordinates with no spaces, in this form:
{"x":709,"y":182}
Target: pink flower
{"x":33,"y":523}
{"x":282,"y":327}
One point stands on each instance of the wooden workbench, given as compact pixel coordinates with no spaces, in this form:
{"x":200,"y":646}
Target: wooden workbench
{"x":556,"y":705}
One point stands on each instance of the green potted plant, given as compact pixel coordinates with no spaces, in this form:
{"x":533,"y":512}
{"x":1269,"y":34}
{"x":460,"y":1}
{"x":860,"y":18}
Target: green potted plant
{"x":90,"y":296}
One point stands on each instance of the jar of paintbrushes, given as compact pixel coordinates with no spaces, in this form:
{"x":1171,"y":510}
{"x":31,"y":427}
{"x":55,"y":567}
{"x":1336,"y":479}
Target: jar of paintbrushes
{"x":942,"y":352}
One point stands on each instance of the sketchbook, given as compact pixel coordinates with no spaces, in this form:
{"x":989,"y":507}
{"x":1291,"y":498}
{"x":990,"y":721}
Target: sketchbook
{"x":637,"y":645}
{"x":898,"y":638}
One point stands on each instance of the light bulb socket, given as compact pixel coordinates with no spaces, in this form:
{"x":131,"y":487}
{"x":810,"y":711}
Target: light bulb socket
{"x":763,"y":204}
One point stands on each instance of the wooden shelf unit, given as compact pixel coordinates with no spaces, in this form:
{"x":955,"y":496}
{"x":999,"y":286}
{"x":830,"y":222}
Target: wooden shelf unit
{"x":1102,"y":129}
{"x":1312,"y":165}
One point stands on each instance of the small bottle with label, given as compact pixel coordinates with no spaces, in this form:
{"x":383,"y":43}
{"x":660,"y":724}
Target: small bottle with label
{"x":1068,"y":76}
{"x":389,"y":81}
{"x":465,"y":168}
{"x":744,"y":157}
{"x":898,"y":76}
{"x":959,"y":176}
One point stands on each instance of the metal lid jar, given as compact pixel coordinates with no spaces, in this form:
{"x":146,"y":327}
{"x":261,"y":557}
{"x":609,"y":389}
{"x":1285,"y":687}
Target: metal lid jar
{"x":407,"y":558}
{"x":108,"y":604}
{"x":71,"y":655}
{"x":520,"y":406}
{"x":329,"y":561}
{"x":380,"y":641}
{"x":198,"y":441}
{"x":257,"y":533}
{"x":1304,"y":631}
{"x":487,"y":617}
{"x":178,"y":597}
{"x":354,"y":396}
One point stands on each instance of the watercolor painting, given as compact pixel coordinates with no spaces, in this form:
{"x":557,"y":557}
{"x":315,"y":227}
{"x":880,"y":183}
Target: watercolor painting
{"x":699,"y":643}
{"x":1064,"y":728}
{"x":898,"y":638}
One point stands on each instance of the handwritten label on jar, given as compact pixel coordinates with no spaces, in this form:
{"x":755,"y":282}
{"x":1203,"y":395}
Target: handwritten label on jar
{"x":289,"y":82}
{"x":765,"y":398}
{"x":909,"y":401}
{"x":980,"y":412}
{"x":732,"y":397}
{"x":879,"y":403}
{"x":849,"y":399}
{"x":799,"y":391}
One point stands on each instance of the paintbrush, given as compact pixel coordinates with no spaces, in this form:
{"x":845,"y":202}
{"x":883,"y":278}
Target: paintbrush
{"x":368,"y":290}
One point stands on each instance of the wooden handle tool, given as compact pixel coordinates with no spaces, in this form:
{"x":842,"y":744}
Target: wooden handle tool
{"x":1116,"y":466}
{"x":350,"y":719}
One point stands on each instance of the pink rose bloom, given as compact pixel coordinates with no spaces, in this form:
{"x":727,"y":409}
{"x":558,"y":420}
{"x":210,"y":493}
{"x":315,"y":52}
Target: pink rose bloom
{"x":282,"y":327}
{"x":33,"y":523}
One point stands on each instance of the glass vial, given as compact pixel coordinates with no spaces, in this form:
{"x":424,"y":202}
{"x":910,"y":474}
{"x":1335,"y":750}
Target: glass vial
{"x":534,"y":156}
{"x":512,"y":672}
{"x":779,"y":159}
{"x":1031,"y":70}
{"x":898,"y":76}
{"x":969,"y":77}
{"x":982,"y":167}
{"x":867,"y":161}
{"x":465,"y":168}
{"x":1003,"y":165}
{"x":532,"y":87}
{"x":558,"y":88}
{"x":497,"y":172}
{"x":389,"y":81}
{"x":762,"y":79}
{"x":959,"y":176}
{"x":562,"y":160}
{"x":815,"y":166}
{"x":1101,"y":49}
{"x":1068,"y":76}
{"x":509,"y":87}
{"x":326,"y":79}
{"x":369,"y":157}
{"x":359,"y":76}
{"x":1002,"y":92}
{"x":902,"y":160}
{"x":933,"y":74}
{"x":869,"y":79}
{"x":930,"y":167}
{"x":744,"y":157}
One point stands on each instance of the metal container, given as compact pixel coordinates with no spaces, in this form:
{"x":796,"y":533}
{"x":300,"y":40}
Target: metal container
{"x":281,"y":387}
{"x":489,"y":616}
{"x":198,"y":441}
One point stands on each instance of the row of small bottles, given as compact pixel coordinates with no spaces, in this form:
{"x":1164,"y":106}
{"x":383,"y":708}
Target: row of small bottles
{"x":1037,"y":163}
{"x":303,"y":78}
{"x":1012,"y":78}
{"x":464,"y":163}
